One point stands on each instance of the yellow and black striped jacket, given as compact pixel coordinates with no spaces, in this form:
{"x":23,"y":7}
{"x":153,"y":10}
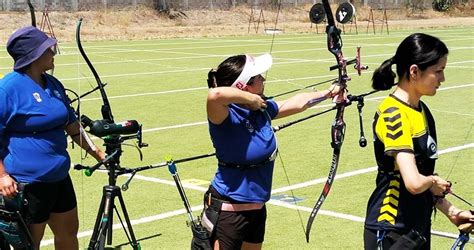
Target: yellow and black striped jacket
{"x":399,"y":127}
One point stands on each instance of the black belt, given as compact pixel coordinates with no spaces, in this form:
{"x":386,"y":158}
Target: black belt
{"x":248,"y":166}
{"x":13,"y":132}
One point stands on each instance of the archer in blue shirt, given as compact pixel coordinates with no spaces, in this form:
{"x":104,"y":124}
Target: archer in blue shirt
{"x":239,"y":118}
{"x":35,"y":118}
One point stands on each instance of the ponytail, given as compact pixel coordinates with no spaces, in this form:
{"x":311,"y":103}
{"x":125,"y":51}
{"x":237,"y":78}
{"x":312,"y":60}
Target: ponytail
{"x":227,"y":72}
{"x":211,"y":78}
{"x":417,"y":49}
{"x":383,"y":77}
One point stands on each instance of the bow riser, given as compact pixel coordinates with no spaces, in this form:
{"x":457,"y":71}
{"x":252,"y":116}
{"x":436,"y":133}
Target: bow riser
{"x":338,"y":128}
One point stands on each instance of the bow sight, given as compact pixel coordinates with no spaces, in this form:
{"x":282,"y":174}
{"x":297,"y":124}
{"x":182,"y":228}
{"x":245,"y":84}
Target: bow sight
{"x":104,"y":128}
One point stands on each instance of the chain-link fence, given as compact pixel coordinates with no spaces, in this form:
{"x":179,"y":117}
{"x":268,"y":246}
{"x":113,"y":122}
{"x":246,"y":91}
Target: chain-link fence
{"x":71,"y":5}
{"x":76,"y":5}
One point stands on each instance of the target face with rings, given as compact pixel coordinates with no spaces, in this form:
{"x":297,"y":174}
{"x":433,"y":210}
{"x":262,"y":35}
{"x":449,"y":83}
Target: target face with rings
{"x":345,"y":12}
{"x":317,"y":13}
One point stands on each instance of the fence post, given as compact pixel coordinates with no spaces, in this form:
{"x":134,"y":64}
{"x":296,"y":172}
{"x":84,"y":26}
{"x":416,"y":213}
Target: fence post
{"x":74,"y":5}
{"x":8,"y":5}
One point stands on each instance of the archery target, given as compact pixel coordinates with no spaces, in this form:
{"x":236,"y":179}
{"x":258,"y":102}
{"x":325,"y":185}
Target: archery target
{"x":317,"y":13}
{"x":345,"y":12}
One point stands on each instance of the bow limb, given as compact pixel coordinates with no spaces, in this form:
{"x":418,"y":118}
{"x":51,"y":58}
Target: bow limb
{"x":105,"y":110}
{"x":337,"y":133}
{"x":32,"y":12}
{"x":112,"y":143}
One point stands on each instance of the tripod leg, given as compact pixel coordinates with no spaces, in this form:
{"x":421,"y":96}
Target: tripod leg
{"x":109,"y":219}
{"x":98,"y":220}
{"x":132,"y":239}
{"x":102,"y":223}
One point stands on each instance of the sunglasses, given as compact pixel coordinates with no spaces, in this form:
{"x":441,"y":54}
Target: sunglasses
{"x":252,"y":79}
{"x":54,"y":49}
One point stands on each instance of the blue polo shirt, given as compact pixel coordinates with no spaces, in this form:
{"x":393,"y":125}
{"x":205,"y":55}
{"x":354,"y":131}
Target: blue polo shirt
{"x":245,"y":137}
{"x":32,"y":120}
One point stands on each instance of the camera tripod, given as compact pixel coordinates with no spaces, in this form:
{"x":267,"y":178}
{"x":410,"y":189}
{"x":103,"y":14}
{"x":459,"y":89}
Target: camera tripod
{"x":102,"y":233}
{"x":104,"y":220}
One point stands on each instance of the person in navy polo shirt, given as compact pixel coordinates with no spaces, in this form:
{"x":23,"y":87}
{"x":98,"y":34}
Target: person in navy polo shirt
{"x":35,"y":117}
{"x":239,"y":118}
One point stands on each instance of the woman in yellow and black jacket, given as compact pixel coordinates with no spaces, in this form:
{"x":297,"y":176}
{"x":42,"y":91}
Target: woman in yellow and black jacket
{"x":400,"y":208}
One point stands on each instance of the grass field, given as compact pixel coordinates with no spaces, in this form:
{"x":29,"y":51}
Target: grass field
{"x":162,"y":84}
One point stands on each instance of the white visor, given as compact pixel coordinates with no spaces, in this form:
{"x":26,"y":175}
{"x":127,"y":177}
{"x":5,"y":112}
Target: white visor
{"x":253,"y":66}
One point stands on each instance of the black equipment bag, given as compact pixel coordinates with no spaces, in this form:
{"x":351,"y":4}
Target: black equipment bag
{"x":12,"y":225}
{"x":201,"y":239}
{"x":410,"y":241}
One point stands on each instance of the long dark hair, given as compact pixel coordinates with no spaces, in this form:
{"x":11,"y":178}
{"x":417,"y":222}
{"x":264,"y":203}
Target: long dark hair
{"x":420,"y":49}
{"x":227,"y":72}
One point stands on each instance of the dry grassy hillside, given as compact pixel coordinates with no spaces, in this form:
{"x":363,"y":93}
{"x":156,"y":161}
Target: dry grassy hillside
{"x":144,"y":23}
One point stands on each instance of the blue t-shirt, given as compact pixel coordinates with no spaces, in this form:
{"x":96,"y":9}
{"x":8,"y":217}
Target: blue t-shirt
{"x":32,"y":121}
{"x":245,"y":137}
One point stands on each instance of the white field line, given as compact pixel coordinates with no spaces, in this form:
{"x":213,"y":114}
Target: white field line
{"x":205,"y":88}
{"x":182,"y":70}
{"x":356,"y":172}
{"x":315,"y":107}
{"x":349,"y":217}
{"x":264,"y":42}
{"x":175,"y":126}
{"x":201,"y":88}
{"x":133,"y":222}
{"x":273,"y":202}
{"x":287,"y":40}
{"x":249,"y":42}
{"x":453,"y":113}
{"x":309,"y":38}
{"x":461,"y":62}
{"x":200,"y":55}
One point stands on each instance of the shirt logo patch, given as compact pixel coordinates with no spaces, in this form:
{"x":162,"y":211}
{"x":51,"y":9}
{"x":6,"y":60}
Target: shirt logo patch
{"x":37,"y":97}
{"x":432,"y":148}
{"x":249,"y":126}
{"x":56,"y":93}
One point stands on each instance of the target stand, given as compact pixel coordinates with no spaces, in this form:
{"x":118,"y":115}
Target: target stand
{"x":256,"y":10}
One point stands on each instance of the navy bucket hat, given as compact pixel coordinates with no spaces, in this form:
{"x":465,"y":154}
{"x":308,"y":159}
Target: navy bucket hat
{"x":27,"y":44}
